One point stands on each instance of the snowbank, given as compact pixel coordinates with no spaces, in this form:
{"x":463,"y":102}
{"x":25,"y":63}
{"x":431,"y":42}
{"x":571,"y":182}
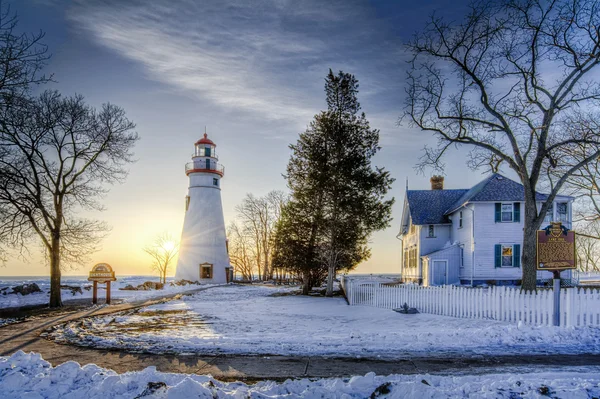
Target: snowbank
{"x":29,"y":376}
{"x":249,"y":320}
{"x":17,"y":300}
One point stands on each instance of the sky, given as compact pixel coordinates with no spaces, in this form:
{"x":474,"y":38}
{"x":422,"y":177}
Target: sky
{"x":253,"y":73}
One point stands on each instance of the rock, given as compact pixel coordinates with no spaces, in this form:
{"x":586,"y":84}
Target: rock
{"x":404,"y":309}
{"x":74,"y":289}
{"x":150,"y":285}
{"x":185,"y":282}
{"x":381,"y":390}
{"x":26,"y":289}
{"x":152,"y":388}
{"x":128,"y":287}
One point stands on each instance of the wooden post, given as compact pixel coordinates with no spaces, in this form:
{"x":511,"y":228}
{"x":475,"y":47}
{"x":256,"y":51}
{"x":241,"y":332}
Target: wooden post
{"x":108,"y":292}
{"x":95,"y":293}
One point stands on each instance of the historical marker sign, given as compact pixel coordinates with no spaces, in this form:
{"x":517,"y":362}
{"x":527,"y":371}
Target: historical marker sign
{"x":101,"y":273}
{"x":556,"y":248}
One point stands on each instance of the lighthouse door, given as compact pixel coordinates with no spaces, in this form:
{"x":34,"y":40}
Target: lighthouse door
{"x":208,"y":164}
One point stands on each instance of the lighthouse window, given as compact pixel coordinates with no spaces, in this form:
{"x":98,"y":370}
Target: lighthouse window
{"x":187,"y":202}
{"x":215,"y":182}
{"x":206,"y":270}
{"x":207,"y":151}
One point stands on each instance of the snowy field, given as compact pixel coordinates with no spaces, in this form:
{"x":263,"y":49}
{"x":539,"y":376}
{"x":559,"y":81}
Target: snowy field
{"x":251,"y":320}
{"x":29,"y":376}
{"x":16,"y":300}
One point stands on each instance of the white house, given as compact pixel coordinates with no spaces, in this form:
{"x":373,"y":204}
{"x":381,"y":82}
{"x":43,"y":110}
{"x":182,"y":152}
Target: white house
{"x":469,"y":236}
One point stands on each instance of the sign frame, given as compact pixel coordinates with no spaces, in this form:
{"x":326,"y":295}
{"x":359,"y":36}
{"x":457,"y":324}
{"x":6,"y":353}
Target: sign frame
{"x":557,"y":231}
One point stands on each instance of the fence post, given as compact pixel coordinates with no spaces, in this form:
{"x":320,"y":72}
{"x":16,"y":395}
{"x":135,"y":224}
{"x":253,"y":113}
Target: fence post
{"x":571,"y":317}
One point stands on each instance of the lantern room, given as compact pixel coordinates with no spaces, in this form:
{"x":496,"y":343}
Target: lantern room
{"x":205,"y":147}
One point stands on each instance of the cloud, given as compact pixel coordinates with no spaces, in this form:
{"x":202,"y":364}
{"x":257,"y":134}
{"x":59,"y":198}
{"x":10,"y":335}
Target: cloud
{"x":267,"y":57}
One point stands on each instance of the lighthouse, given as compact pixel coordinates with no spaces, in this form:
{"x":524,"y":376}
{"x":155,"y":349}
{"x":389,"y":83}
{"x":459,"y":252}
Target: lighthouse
{"x":203,"y":252}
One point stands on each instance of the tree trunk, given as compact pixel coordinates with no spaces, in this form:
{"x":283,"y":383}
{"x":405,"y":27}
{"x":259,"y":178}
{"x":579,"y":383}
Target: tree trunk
{"x":55,"y":297}
{"x":306,"y":282}
{"x":529,"y":256}
{"x":330,"y":276}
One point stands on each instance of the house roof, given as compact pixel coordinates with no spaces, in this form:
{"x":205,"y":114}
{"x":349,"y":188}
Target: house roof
{"x":452,"y":247}
{"x":494,"y":188}
{"x":429,"y":206}
{"x":434,"y":206}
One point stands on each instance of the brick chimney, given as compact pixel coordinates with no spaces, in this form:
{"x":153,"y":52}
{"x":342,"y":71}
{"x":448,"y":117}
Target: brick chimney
{"x":437,"y":182}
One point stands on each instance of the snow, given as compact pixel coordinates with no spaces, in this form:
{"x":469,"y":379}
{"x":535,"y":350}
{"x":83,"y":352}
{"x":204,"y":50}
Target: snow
{"x":249,"y":320}
{"x":17,"y":300}
{"x":27,"y":375}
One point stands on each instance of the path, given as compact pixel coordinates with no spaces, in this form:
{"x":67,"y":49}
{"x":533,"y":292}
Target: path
{"x":26,"y":336}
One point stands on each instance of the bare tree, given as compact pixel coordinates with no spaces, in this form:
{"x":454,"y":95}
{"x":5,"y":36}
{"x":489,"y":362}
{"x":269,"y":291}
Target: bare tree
{"x":258,"y":216}
{"x":588,"y":247}
{"x":56,"y":157}
{"x":240,"y":247}
{"x":163,"y":251}
{"x":22,"y":57}
{"x":514,"y":82}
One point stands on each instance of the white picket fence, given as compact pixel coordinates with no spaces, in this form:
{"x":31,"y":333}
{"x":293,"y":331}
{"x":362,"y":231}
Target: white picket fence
{"x":579,"y":307}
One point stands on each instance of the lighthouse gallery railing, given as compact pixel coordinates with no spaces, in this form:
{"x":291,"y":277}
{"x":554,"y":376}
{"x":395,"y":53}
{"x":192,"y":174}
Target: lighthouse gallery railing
{"x":202,"y":166}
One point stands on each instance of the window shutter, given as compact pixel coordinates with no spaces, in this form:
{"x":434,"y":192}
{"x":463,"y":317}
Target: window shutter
{"x":517,"y":255}
{"x":517,"y":212}
{"x":498,"y":218}
{"x":498,"y":255}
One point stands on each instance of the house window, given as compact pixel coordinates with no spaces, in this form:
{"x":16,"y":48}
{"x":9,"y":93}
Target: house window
{"x":562,"y":212}
{"x":412,"y":228}
{"x":431,"y":231}
{"x":507,"y":212}
{"x":507,"y":255}
{"x":206,"y":271}
{"x":460,"y":220}
{"x":215,"y":182}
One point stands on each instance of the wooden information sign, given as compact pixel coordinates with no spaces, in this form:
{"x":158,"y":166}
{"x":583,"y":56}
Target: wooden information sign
{"x":556,"y":248}
{"x":101,"y":273}
{"x":555,"y":253}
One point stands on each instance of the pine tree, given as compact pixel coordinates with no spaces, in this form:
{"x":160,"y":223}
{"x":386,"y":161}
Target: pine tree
{"x":337,"y":196}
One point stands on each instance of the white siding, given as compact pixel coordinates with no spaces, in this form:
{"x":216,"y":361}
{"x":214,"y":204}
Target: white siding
{"x":488,"y":233}
{"x":462,"y":236}
{"x":432,"y":244}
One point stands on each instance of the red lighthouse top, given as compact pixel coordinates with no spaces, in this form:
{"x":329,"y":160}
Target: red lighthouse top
{"x":205,"y":140}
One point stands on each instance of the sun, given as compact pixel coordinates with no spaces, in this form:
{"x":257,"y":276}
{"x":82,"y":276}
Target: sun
{"x":169,"y":246}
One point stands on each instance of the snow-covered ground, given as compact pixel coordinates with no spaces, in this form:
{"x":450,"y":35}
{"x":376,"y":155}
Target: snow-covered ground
{"x":29,"y":376}
{"x":16,"y":300}
{"x":250,"y":320}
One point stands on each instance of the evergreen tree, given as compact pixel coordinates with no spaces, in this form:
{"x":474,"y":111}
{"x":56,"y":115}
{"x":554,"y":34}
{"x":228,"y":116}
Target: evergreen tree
{"x":337,"y":196}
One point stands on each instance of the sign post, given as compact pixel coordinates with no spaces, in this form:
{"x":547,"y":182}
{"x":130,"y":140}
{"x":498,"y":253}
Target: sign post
{"x":101,"y":273}
{"x":555,"y":253}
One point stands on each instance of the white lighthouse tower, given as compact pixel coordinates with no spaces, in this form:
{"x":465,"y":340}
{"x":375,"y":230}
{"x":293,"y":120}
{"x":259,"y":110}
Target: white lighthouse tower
{"x":203,"y":252}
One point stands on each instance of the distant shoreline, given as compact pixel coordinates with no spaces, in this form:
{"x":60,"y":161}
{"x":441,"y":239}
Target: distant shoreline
{"x":74,"y":277}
